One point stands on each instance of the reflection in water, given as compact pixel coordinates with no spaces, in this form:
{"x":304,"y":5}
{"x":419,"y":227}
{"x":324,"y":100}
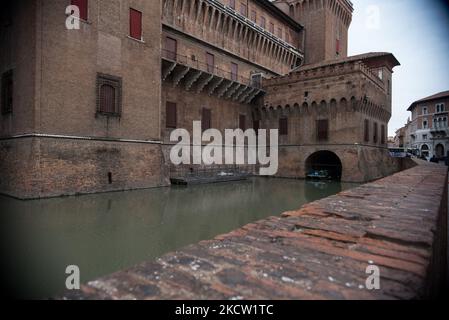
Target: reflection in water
{"x":103,"y":233}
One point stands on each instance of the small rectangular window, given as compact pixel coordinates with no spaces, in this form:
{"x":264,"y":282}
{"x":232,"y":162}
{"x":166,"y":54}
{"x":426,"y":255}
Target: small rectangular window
{"x":109,"y":94}
{"x":366,"y":130}
{"x":256,"y":126}
{"x":206,"y":118}
{"x":7,"y":92}
{"x":337,"y":46}
{"x":440,"y":107}
{"x":271,"y":27}
{"x":135,"y":24}
{"x":254,"y":16}
{"x":234,"y":71}
{"x":210,"y":60}
{"x":171,"y":115}
{"x":263,"y":22}
{"x":375,"y":136}
{"x":280,"y":33}
{"x":283,"y":127}
{"x":243,"y":9}
{"x":171,"y":48}
{"x":322,"y":130}
{"x":83,"y":7}
{"x":232,"y":4}
{"x":242,"y":122}
{"x":383,"y":135}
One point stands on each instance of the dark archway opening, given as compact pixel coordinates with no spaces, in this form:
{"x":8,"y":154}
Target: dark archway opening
{"x":325,"y":161}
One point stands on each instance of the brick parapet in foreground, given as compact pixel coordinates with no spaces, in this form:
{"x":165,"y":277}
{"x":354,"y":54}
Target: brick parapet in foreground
{"x":320,"y":251}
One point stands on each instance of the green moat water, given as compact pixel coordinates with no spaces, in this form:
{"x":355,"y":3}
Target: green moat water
{"x":104,"y":233}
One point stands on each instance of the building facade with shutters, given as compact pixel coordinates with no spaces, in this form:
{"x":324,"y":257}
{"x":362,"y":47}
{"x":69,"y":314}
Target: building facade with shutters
{"x":428,"y":135}
{"x":92,"y":109}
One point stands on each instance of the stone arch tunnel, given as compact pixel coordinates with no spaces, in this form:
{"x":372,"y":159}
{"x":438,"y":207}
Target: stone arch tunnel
{"x":325,"y":160}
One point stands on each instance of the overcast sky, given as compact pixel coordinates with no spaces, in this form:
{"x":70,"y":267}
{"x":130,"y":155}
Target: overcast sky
{"x":417,"y":33}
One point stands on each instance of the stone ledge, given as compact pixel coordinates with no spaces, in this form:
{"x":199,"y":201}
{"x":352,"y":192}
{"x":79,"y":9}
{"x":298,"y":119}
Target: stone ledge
{"x":320,"y":251}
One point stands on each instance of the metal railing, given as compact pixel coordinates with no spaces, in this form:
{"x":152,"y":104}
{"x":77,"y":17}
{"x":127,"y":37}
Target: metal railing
{"x":193,"y":62}
{"x":211,"y":171}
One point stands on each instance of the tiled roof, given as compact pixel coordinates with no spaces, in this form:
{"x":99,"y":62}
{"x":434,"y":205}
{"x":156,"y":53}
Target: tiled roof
{"x":440,"y":95}
{"x":364,"y":56}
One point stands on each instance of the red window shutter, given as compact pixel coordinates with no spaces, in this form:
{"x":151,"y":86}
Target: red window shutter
{"x":135,"y":24}
{"x":83,"y":7}
{"x":107,"y":99}
{"x":283,"y":126}
{"x":242,"y":122}
{"x":171,"y":115}
{"x":206,"y":119}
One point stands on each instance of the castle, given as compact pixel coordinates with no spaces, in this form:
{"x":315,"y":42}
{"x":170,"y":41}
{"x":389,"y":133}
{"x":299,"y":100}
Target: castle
{"x":91,"y":109}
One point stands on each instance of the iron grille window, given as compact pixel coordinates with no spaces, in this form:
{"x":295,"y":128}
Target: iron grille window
{"x":322,"y":130}
{"x":109,"y":95}
{"x":7,"y":92}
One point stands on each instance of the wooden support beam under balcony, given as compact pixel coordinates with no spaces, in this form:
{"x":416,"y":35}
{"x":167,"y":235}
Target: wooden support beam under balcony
{"x":215,"y":85}
{"x":198,"y":76}
{"x":240,"y":92}
{"x":204,"y":83}
{"x":193,"y":78}
{"x":180,"y":75}
{"x":168,"y":70}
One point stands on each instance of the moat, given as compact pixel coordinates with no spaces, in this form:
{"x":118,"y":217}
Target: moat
{"x":104,"y":233}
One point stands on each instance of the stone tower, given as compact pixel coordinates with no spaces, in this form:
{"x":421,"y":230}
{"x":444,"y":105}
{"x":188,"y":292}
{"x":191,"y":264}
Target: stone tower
{"x":326,"y":25}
